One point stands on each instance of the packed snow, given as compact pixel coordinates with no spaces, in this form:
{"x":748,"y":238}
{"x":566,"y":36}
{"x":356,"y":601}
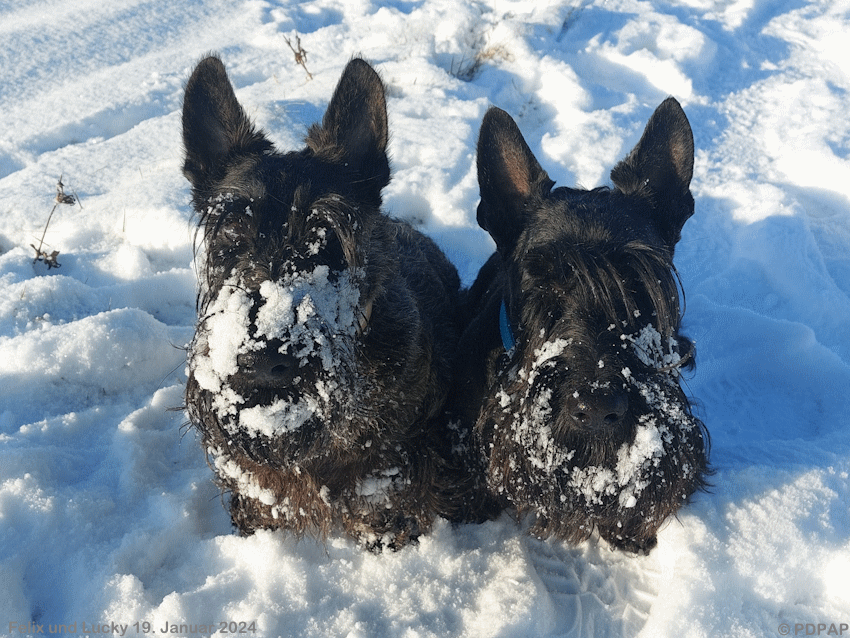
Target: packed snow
{"x":109,"y":519}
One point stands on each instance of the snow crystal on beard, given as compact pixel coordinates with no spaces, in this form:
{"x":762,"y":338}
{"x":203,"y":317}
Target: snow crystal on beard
{"x":635,"y":462}
{"x":532,"y":429}
{"x":306,"y":311}
{"x":632,"y":472}
{"x":280,"y":416}
{"x":310,"y":314}
{"x":224,"y":331}
{"x":376,"y":489}
{"x":649,"y":348}
{"x":629,"y":476}
{"x":247,"y":484}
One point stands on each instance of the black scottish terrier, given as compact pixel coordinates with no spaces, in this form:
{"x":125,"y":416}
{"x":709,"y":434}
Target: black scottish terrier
{"x":322,"y":355}
{"x":569,"y":366}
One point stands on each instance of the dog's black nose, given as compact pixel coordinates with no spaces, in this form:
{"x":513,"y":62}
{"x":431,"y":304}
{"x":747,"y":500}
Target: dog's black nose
{"x":268,"y":367}
{"x":599,"y":410}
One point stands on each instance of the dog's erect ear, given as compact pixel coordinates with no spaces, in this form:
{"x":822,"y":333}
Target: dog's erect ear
{"x":660,"y":167}
{"x":214,"y":125}
{"x":508,"y":176}
{"x":356,"y":123}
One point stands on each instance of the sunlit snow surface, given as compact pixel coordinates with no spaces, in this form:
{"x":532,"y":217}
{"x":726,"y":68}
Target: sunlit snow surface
{"x":107,"y":508}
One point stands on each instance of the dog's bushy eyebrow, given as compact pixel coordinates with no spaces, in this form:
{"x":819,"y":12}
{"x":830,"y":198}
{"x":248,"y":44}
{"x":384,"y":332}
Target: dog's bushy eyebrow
{"x":610,"y":280}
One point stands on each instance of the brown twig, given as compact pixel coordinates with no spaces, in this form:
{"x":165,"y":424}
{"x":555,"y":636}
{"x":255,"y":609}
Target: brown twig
{"x":300,"y":54}
{"x":61,"y":198}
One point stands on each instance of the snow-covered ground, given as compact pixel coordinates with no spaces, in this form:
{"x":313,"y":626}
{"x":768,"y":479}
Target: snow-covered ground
{"x":108,"y":515}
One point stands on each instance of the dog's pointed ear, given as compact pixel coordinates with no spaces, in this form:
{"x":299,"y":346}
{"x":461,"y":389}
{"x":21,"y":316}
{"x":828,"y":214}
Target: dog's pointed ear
{"x":356,"y":123}
{"x":660,"y":167}
{"x":214,"y":125}
{"x":508,"y":176}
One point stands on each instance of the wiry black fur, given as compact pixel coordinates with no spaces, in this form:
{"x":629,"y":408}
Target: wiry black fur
{"x":582,"y":275}
{"x":374,"y":455}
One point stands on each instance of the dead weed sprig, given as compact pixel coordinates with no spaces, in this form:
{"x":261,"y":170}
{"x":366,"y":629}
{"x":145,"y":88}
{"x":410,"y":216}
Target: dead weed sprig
{"x":468,"y":68}
{"x":61,"y":198}
{"x":300,"y":54}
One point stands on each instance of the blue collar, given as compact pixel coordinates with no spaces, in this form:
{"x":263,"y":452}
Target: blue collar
{"x":505,"y":328}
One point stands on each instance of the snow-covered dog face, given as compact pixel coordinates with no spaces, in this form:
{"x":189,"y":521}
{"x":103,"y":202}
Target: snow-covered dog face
{"x":584,"y":422}
{"x":284,"y":291}
{"x":283,"y":310}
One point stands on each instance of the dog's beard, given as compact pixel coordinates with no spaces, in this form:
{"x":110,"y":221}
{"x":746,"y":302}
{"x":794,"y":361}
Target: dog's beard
{"x":664,"y":442}
{"x":541,"y":460}
{"x":314,"y":316}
